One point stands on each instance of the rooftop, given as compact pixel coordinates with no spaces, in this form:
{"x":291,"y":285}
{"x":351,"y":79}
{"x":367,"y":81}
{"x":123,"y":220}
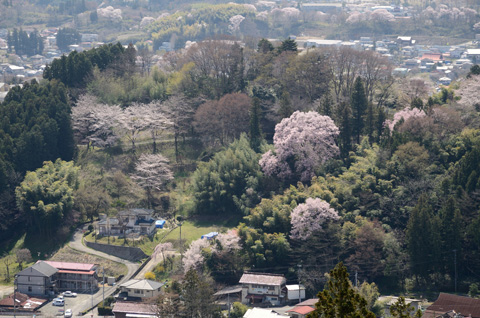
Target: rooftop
{"x":134,"y":308}
{"x":447,"y":302}
{"x":70,"y":266}
{"x":262,"y":279}
{"x":144,"y":284}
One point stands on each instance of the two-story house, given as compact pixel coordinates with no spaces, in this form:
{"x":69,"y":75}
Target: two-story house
{"x":75,"y":276}
{"x":128,"y":221}
{"x":142,"y":288}
{"x":38,"y":280}
{"x":263,"y":288}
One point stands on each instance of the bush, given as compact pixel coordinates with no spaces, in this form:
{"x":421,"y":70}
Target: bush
{"x":105,"y":307}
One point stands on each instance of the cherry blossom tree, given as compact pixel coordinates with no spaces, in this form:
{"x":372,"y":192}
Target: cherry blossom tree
{"x":224,"y":243}
{"x":161,"y":248}
{"x":193,"y":257}
{"x":404,"y":114}
{"x":302,"y":142}
{"x":152,"y":172}
{"x":309,"y":217}
{"x":93,"y":122}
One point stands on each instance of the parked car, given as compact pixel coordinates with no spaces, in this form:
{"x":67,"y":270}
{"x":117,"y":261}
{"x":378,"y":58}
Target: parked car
{"x":68,"y":313}
{"x":58,"y":302}
{"x":69,"y":294}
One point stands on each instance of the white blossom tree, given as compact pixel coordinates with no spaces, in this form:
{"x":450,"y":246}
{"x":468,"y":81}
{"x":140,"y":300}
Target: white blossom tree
{"x":302,"y":142}
{"x":93,"y":123}
{"x":152,"y":173}
{"x":161,"y":248}
{"x":193,"y":257}
{"x":309,"y":217}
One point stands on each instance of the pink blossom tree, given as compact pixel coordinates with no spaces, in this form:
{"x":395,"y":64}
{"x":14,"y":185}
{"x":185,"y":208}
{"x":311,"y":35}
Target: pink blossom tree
{"x":161,"y":248}
{"x":309,"y":217}
{"x":302,"y":142}
{"x":404,"y":114}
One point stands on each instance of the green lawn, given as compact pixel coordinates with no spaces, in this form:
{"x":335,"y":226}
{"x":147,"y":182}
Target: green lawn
{"x":190,"y":232}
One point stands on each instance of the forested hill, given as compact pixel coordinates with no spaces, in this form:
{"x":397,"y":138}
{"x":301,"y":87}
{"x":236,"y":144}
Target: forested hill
{"x":314,"y":157}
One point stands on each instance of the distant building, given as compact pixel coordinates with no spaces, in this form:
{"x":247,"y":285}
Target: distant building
{"x":322,"y":43}
{"x":295,"y":292}
{"x":261,"y":288}
{"x":138,"y":221}
{"x":301,"y":310}
{"x":414,"y":303}
{"x":75,"y":276}
{"x":261,"y":313}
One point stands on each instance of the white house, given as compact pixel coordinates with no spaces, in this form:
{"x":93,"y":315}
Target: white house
{"x":39,"y":280}
{"x":143,"y":288}
{"x":261,"y":288}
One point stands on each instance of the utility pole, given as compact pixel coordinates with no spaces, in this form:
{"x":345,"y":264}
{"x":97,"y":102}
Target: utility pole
{"x":299,"y":291}
{"x":455,"y":265}
{"x":356,"y":279}
{"x":15,"y":296}
{"x":103,"y":286}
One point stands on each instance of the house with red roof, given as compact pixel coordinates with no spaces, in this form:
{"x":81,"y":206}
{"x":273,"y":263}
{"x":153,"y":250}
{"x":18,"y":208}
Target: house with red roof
{"x":301,"y":310}
{"x":75,"y":276}
{"x":46,"y":278}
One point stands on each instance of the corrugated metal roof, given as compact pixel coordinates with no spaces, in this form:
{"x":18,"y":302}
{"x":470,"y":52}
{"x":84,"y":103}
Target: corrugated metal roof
{"x":262,"y":279}
{"x":71,"y":266}
{"x":134,"y":308}
{"x":463,"y":305}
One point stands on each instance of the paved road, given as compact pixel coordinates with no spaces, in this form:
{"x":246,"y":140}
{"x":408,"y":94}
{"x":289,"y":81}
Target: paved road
{"x":84,"y":303}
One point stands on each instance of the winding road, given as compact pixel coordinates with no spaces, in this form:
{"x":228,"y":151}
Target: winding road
{"x":77,"y":244}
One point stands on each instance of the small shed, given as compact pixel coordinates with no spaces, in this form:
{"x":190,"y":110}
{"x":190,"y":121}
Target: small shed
{"x":210,"y":235}
{"x":159,"y":224}
{"x":293,"y":292}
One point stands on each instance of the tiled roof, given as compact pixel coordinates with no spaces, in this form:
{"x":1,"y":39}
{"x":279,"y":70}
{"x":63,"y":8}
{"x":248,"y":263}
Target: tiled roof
{"x":463,"y":305}
{"x":134,"y":308}
{"x":144,"y":284}
{"x":71,"y":266}
{"x":302,"y":310}
{"x":262,"y":279}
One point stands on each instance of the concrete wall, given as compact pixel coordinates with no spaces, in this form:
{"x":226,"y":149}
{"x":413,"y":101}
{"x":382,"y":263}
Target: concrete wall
{"x":126,"y":252}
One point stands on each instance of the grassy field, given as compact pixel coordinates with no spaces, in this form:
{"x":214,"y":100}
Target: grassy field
{"x":67,"y":254}
{"x":191,"y":230}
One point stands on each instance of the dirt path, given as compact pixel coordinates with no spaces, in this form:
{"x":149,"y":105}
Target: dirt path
{"x":5,"y":291}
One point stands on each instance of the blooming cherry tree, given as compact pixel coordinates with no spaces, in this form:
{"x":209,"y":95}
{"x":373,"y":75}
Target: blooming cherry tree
{"x":309,"y":217}
{"x":193,"y":257}
{"x":302,"y":142}
{"x":404,"y":114}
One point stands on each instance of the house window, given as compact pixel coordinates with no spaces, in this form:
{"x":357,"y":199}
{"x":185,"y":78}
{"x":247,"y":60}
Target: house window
{"x":28,"y":278}
{"x":138,"y":291}
{"x":30,"y":288}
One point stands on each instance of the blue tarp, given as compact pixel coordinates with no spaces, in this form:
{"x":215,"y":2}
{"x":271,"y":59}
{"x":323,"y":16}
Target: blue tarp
{"x":210,"y":235}
{"x":159,"y":224}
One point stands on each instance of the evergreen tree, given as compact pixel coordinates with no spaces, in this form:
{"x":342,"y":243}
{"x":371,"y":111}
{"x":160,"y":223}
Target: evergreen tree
{"x":370,"y":122}
{"x":288,"y":45}
{"x":451,"y":235}
{"x":265,"y":46}
{"x":359,"y":107}
{"x":285,"y":110}
{"x":339,"y":299}
{"x":345,"y":137}
{"x":422,"y":238}
{"x":198,"y":304}
{"x":255,"y":129}
{"x":400,"y":309}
